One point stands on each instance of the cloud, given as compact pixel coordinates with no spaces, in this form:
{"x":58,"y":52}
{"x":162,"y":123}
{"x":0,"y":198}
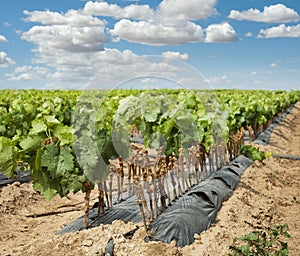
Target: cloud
{"x":70,"y":48}
{"x":133,"y":11}
{"x":69,"y":52}
{"x":273,"y":65}
{"x":155,"y":33}
{"x":72,"y":31}
{"x":3,"y":39}
{"x":153,"y":67}
{"x":167,"y":10}
{"x":248,"y":34}
{"x":187,"y":10}
{"x":67,"y":38}
{"x":278,"y":13}
{"x":71,"y":17}
{"x":218,"y":79}
{"x":170,"y":24}
{"x":80,"y":67}
{"x":220,"y":33}
{"x":5,"y":61}
{"x":7,"y":24}
{"x":175,"y":55}
{"x":28,"y":73}
{"x":280,"y":31}
{"x":257,"y":82}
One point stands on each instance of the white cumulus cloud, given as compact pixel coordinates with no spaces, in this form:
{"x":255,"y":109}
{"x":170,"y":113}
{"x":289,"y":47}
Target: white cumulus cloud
{"x":155,"y":33}
{"x":280,"y":31}
{"x":169,"y":24}
{"x":273,"y":65}
{"x":175,"y":55}
{"x":220,"y":33}
{"x":133,"y":11}
{"x":5,"y":61}
{"x":71,"y":17}
{"x":28,"y":73}
{"x":72,"y":31}
{"x":223,"y":79}
{"x":3,"y":39}
{"x":70,"y":48}
{"x":67,"y":38}
{"x":187,"y":10}
{"x":277,"y":13}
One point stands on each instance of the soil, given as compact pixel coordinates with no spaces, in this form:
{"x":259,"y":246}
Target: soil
{"x":268,"y":195}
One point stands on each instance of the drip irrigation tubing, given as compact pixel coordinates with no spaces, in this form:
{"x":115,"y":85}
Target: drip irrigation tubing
{"x":287,"y":157}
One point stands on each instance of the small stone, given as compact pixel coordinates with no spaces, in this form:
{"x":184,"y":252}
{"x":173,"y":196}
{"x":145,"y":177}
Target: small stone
{"x":17,"y":184}
{"x":120,"y":240}
{"x":173,"y":243}
{"x":116,"y":223}
{"x":197,"y":236}
{"x":87,"y":242}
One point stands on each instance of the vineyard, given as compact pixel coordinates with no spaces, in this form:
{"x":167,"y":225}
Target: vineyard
{"x":154,"y":146}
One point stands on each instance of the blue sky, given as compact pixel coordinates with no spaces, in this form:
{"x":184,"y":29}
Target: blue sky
{"x":74,"y":44}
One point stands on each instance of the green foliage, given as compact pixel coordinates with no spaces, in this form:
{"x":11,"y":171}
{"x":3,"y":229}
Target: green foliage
{"x":47,"y":150}
{"x":164,"y":120}
{"x":263,"y":243}
{"x":7,"y":156}
{"x":254,"y":108}
{"x":252,"y":152}
{"x":67,"y":137}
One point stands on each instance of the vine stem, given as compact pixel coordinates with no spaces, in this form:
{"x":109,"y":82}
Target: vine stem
{"x":88,"y":190}
{"x":101,"y":203}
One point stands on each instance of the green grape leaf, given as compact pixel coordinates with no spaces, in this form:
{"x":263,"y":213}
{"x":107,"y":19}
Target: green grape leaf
{"x":151,"y":115}
{"x":208,"y":140}
{"x":253,"y":152}
{"x":2,"y":129}
{"x":7,"y":153}
{"x":38,"y":156}
{"x":185,"y":120}
{"x":258,"y":155}
{"x":49,"y":192}
{"x":65,"y":161}
{"x":64,"y":134}
{"x":38,"y":126}
{"x":75,"y":185}
{"x":167,"y":126}
{"x":31,"y":142}
{"x":49,"y":158}
{"x":191,"y":100}
{"x":51,"y":120}
{"x":43,"y":184}
{"x":86,"y":152}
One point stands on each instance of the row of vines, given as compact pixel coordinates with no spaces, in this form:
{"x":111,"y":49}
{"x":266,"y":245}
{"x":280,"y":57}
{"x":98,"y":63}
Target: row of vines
{"x":73,"y":140}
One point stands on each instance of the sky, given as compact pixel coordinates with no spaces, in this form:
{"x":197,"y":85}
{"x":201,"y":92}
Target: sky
{"x":77,"y":44}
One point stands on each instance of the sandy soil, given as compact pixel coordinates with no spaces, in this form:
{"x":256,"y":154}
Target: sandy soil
{"x":267,"y":195}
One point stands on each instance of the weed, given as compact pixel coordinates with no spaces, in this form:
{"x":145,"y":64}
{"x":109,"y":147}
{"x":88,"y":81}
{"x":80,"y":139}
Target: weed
{"x":262,"y":243}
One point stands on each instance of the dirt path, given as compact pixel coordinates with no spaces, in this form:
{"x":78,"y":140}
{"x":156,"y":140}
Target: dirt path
{"x":265,"y":197}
